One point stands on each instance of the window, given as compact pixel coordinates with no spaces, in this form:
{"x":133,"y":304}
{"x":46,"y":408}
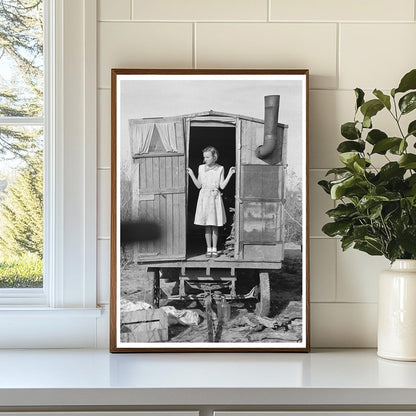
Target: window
{"x":63,"y":313}
{"x":22,"y":127}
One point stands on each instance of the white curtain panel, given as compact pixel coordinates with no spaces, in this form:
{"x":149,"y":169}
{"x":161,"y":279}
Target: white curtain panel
{"x":168,"y":135}
{"x":141,"y":135}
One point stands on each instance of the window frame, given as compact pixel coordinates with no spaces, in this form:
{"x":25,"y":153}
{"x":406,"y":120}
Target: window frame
{"x":37,"y":296}
{"x":70,"y":167}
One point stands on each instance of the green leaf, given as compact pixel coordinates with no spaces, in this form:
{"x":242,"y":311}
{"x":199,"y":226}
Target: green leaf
{"x":354,"y":161}
{"x":385,"y":99}
{"x":368,"y":248}
{"x":342,"y":211}
{"x":359,"y":165}
{"x":391,"y":170}
{"x":408,"y":161}
{"x":338,"y":171}
{"x":407,"y":239}
{"x":346,"y":242}
{"x":393,"y":250}
{"x":375,"y":211}
{"x":375,"y":136}
{"x":411,"y":130}
{"x":359,"y":95}
{"x":367,"y":122}
{"x":361,"y":231}
{"x":349,"y":146}
{"x":336,"y":228}
{"x":348,"y":158}
{"x":408,"y":82}
{"x":369,"y":201}
{"x":349,"y":131}
{"x":398,"y":149}
{"x":408,"y":102}
{"x":338,"y":189}
{"x":385,"y":144}
{"x":371,"y":108}
{"x":325,"y":186}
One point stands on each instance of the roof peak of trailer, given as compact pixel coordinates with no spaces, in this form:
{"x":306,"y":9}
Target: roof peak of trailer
{"x":210,"y":113}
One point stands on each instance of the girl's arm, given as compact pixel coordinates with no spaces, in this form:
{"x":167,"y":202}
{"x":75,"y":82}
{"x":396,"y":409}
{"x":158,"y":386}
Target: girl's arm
{"x":224,"y":182}
{"x":196,"y":181}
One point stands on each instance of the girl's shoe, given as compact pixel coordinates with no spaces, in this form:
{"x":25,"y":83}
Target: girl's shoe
{"x":208,"y":253}
{"x":214,"y":253}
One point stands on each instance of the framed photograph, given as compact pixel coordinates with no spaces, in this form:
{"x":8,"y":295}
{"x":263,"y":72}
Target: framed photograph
{"x":209,"y":211}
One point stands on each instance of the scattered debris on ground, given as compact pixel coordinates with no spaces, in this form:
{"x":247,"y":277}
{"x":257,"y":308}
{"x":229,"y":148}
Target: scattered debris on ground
{"x":189,"y":321}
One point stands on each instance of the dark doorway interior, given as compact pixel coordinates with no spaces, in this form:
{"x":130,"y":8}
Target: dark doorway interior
{"x":223,"y":139}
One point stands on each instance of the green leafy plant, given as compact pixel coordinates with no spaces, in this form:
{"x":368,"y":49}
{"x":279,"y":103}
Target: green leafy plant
{"x":376,"y":212}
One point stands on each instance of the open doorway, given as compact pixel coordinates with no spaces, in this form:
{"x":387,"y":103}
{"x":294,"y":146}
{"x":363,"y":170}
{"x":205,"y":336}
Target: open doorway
{"x":223,"y":139}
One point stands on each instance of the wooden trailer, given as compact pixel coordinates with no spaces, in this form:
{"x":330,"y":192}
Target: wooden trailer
{"x":162,"y":149}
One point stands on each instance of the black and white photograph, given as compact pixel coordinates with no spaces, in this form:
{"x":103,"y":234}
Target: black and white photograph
{"x":209,"y":215}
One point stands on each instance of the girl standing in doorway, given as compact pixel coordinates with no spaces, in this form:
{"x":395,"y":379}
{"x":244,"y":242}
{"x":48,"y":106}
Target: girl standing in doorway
{"x":210,"y":210}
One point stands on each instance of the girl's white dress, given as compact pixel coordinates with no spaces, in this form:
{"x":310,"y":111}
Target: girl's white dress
{"x":210,"y":208}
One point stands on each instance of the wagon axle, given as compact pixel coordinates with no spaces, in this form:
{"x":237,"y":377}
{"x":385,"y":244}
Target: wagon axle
{"x":194,"y":286}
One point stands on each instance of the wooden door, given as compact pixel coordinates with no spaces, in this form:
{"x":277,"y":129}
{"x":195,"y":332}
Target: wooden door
{"x":261,"y":197}
{"x":158,"y":190}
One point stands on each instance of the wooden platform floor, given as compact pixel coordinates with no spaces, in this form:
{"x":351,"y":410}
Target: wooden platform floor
{"x":202,"y":257}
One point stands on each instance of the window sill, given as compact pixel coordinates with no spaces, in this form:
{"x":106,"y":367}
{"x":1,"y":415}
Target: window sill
{"x":40,"y":327}
{"x":330,"y":379}
{"x":37,"y":312}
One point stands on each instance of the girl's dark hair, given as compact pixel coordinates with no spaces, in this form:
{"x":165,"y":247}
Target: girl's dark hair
{"x":213,"y":150}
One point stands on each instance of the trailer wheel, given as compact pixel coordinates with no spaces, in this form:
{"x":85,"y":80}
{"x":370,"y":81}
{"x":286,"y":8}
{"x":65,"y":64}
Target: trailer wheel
{"x":263,"y":306}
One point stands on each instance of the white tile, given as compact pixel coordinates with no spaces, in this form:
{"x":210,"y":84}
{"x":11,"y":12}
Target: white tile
{"x":376,"y":55}
{"x":200,"y":10}
{"x":114,"y":10}
{"x":342,"y":10}
{"x":328,"y":111}
{"x":104,"y":129}
{"x":104,"y":202}
{"x":270,"y":45}
{"x":103,"y":271}
{"x":323,"y":269}
{"x":357,"y":275}
{"x":343,"y":325}
{"x":142,"y":45}
{"x":319,"y":203}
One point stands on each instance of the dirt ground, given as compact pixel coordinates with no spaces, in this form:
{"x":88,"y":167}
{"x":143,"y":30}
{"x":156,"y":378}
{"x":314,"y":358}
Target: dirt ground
{"x":284,"y":323}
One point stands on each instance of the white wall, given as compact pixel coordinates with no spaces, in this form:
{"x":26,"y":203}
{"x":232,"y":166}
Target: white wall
{"x":345,"y":44}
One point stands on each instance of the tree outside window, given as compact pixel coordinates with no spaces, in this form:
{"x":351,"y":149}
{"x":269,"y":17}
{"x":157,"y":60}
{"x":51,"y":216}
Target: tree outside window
{"x":21,"y":143}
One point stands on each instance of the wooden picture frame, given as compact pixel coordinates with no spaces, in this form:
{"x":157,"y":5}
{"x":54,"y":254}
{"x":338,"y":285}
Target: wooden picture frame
{"x":171,"y":288}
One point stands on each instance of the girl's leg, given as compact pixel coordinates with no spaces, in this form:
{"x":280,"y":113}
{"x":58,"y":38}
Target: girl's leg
{"x":208,"y":237}
{"x":214,"y":238}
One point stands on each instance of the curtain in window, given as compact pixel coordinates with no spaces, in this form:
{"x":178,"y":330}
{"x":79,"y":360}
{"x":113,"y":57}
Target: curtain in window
{"x":141,"y":135}
{"x":168,"y":135}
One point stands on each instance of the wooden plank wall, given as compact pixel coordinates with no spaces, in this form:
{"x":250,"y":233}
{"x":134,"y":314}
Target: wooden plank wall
{"x":158,"y":188}
{"x":252,"y":136}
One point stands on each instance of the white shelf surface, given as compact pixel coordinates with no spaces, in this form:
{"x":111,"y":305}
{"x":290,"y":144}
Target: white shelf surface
{"x":96,"y":377}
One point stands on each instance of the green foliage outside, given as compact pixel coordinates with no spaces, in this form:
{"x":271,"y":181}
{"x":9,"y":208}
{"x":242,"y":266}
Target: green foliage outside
{"x":376,"y":212}
{"x":21,"y":271}
{"x":21,"y":148}
{"x":21,"y":224}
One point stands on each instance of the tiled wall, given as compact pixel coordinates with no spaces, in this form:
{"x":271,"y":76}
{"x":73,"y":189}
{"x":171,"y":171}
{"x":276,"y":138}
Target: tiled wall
{"x":344,"y":43}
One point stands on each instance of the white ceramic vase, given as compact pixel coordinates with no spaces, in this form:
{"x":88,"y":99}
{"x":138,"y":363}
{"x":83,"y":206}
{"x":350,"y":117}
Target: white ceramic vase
{"x":397,"y":312}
